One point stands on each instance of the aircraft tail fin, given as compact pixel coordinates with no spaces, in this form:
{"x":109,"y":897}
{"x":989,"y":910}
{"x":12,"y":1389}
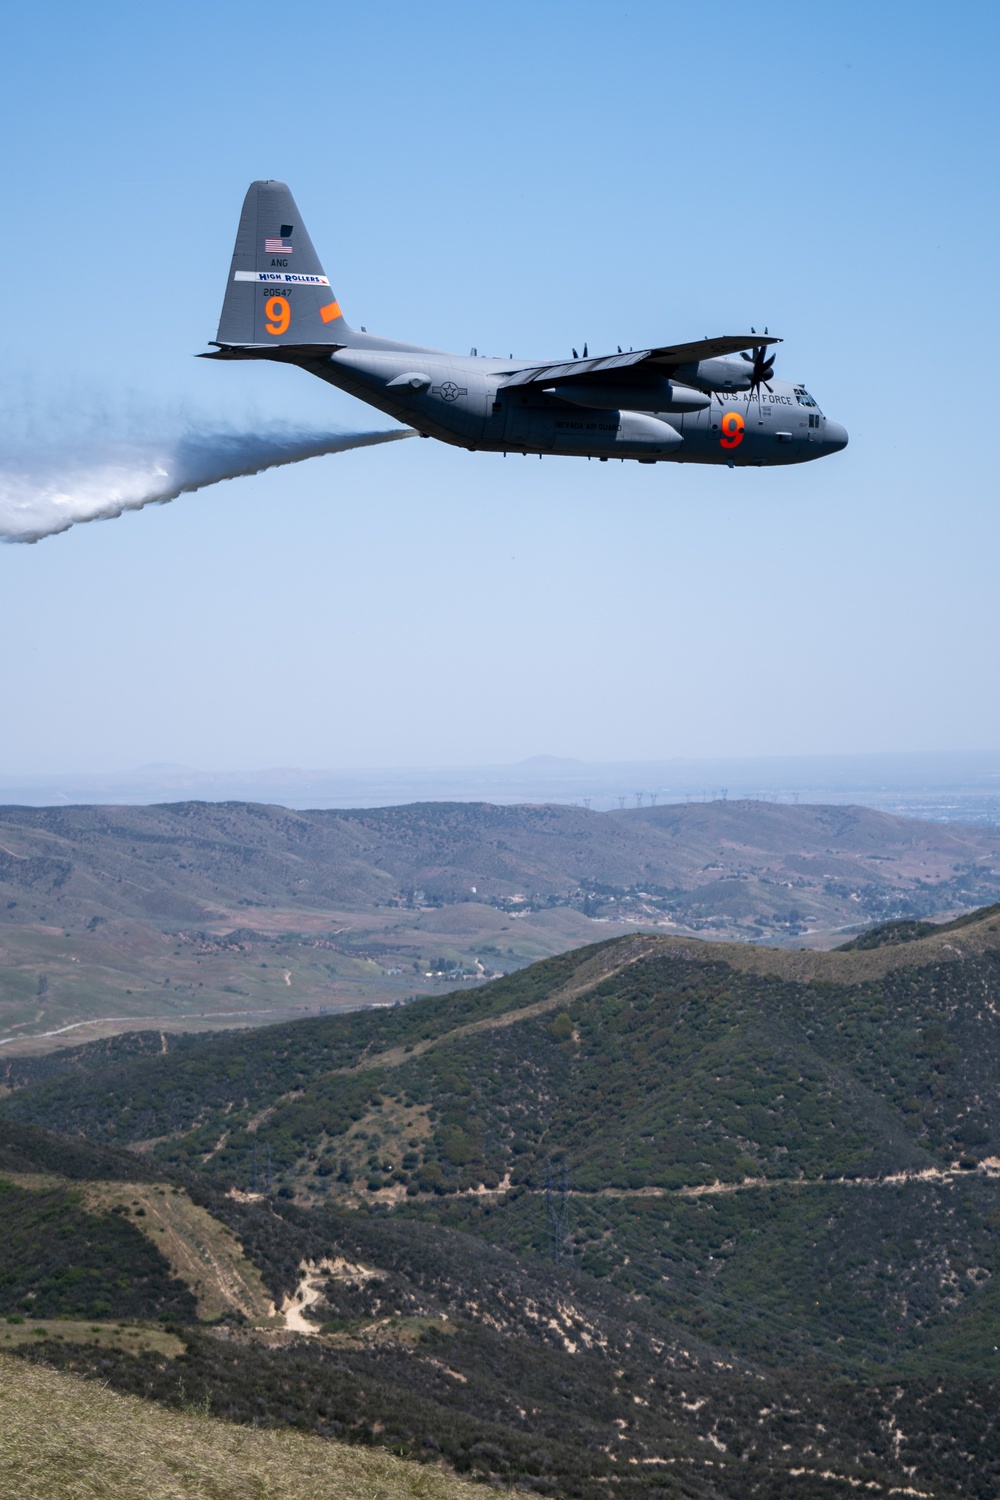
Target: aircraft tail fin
{"x":277,"y":294}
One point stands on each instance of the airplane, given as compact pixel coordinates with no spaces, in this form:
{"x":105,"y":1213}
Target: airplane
{"x":711,"y":401}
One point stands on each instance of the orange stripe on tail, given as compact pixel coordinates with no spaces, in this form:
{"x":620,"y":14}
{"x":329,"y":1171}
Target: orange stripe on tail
{"x":330,"y":311}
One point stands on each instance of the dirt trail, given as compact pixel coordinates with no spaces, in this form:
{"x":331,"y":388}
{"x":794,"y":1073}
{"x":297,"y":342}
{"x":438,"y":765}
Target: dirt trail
{"x":892,"y":1179}
{"x":989,"y":1168}
{"x":311,"y":1287}
{"x":308,"y":1292}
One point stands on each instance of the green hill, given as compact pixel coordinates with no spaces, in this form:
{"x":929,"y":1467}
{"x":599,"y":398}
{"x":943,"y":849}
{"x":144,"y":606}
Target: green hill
{"x":692,"y":1219}
{"x":643,"y":1063}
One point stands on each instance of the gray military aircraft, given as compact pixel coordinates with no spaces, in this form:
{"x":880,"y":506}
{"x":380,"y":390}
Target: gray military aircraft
{"x":708,"y":402}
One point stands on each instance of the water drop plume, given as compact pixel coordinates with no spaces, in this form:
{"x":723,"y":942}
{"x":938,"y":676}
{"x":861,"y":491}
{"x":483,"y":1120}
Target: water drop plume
{"x":52,"y":488}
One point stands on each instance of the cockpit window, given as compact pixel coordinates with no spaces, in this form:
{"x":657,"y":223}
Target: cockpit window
{"x":803,"y":397}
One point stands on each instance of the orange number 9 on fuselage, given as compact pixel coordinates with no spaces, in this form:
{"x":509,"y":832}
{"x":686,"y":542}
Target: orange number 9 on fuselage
{"x":732,"y":426}
{"x":280,"y":315}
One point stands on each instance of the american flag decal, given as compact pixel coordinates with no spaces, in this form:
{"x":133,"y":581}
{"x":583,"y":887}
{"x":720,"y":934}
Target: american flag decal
{"x":277,"y":247}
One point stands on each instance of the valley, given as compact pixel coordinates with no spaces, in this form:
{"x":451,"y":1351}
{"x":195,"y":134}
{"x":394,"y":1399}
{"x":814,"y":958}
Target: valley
{"x":195,"y":916}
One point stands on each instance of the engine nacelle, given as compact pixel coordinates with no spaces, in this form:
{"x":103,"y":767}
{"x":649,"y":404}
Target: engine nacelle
{"x":723,"y":374}
{"x":651,"y":393}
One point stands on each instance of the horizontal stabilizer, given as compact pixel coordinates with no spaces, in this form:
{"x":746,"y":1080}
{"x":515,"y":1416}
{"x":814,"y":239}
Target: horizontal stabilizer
{"x":289,"y":354}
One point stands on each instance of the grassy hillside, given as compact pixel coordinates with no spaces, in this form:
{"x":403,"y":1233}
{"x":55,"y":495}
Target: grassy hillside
{"x":224,"y":913}
{"x":63,"y":1437}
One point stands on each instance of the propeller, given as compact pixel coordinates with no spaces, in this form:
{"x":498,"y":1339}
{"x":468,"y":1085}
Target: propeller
{"x":763,"y":365}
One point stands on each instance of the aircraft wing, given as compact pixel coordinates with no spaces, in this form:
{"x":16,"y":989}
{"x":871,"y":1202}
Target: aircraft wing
{"x":662,"y":360}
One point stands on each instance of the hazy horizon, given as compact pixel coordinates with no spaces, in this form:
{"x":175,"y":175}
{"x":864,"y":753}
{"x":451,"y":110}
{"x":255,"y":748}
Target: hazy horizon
{"x":941,"y":786}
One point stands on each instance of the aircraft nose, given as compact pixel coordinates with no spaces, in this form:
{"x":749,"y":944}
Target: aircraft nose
{"x":834,"y":437}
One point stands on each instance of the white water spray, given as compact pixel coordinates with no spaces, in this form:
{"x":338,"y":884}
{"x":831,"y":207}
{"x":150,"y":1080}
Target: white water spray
{"x":40,"y":496}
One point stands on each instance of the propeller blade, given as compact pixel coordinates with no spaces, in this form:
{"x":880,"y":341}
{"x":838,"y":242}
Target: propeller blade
{"x":762,"y":362}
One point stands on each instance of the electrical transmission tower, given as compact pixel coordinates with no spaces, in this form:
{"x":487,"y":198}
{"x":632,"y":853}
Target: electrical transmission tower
{"x":557,"y":1207}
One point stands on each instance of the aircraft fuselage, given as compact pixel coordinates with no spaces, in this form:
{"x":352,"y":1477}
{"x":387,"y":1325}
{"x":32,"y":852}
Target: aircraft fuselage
{"x":461,"y":400}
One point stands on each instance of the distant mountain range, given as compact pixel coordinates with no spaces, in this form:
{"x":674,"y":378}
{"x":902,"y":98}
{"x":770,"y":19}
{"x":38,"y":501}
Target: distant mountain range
{"x":949,"y":786}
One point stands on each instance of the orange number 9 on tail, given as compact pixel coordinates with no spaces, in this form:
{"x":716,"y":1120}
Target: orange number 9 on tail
{"x":279,"y":313}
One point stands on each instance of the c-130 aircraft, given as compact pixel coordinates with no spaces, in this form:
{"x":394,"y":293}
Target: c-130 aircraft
{"x":713,"y":401}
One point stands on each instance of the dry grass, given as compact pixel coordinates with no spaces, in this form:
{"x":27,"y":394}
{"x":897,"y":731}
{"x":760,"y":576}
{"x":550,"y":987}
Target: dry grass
{"x":132,"y":1337}
{"x":63,"y":1438}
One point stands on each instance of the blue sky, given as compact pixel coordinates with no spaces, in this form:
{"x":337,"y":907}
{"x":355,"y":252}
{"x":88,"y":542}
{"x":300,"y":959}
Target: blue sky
{"x":521,"y":177}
